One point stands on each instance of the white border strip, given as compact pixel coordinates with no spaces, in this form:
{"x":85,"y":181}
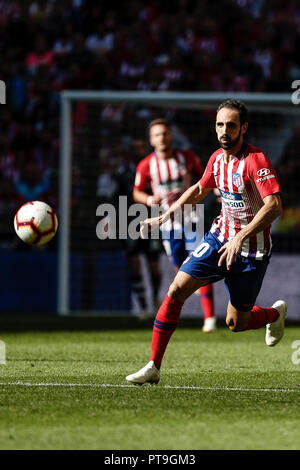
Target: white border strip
{"x":166,"y":387}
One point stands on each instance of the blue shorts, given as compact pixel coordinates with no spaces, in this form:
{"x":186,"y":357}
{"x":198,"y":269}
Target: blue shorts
{"x":244,"y":279}
{"x":178,"y":245}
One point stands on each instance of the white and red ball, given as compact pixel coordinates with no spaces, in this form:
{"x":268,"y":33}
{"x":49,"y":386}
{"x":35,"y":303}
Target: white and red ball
{"x":35,"y":223}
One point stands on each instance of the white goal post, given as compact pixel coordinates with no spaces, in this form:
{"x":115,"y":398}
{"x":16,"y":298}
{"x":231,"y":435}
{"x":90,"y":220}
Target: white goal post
{"x":271,"y":104}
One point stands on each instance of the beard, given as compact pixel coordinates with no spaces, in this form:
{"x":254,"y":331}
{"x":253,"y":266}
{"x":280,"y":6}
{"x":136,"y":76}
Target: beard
{"x":165,"y":147}
{"x":229,"y":143}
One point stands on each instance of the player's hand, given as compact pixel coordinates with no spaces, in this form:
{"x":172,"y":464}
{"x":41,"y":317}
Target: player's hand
{"x":218,"y":195}
{"x":156,"y":199}
{"x":149,"y":225}
{"x":230,"y":252}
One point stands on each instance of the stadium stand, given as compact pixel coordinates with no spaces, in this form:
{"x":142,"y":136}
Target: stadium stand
{"x":48,"y":46}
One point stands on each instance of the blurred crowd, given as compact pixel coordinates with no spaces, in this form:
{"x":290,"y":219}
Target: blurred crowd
{"x":51,"y":45}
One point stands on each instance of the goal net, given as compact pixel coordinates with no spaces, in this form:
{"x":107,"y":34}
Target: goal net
{"x":99,"y":133}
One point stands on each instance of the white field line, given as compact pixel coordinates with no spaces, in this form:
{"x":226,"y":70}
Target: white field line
{"x":167,"y":387}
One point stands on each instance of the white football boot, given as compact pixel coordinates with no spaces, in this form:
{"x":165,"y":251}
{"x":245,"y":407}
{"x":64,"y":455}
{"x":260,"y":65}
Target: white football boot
{"x":209,"y":325}
{"x":275,"y":330}
{"x":149,"y":373}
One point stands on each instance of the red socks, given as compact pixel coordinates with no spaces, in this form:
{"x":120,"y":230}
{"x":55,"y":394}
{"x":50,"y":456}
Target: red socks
{"x":168,"y":316}
{"x":207,"y":300}
{"x":165,"y":324}
{"x":261,"y":316}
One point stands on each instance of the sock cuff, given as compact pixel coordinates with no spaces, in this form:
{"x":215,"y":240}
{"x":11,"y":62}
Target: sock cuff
{"x":169,"y":310}
{"x":173,"y":301}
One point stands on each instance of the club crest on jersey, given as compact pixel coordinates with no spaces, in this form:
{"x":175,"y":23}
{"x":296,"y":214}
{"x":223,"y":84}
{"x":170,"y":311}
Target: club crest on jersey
{"x":237,"y":179}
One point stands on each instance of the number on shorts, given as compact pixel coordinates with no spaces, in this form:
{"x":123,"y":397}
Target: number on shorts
{"x":201,"y":249}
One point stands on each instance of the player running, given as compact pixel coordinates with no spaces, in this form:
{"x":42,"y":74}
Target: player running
{"x":238,"y":246}
{"x":168,"y":173}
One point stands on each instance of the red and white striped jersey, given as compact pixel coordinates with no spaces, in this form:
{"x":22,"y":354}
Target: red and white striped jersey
{"x":243,"y":183}
{"x":168,"y":178}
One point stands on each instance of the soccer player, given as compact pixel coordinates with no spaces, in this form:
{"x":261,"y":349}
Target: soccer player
{"x":169,"y":173}
{"x":237,"y":247}
{"x":151,"y":249}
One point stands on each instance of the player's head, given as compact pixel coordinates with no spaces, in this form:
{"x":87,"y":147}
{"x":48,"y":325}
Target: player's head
{"x":231,"y":123}
{"x":160,"y":135}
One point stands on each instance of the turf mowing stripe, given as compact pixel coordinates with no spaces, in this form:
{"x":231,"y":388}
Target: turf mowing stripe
{"x":167,"y":387}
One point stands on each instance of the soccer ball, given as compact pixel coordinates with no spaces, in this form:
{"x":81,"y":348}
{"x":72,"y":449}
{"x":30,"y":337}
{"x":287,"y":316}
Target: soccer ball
{"x":35,"y":223}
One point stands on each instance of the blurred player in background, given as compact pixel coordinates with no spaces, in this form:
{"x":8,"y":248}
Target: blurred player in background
{"x":238,"y":246}
{"x":169,"y":173}
{"x":151,"y":249}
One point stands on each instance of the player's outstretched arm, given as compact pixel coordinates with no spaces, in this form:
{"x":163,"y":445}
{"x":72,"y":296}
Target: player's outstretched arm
{"x":144,"y":198}
{"x":271,"y":209}
{"x":192,"y":195}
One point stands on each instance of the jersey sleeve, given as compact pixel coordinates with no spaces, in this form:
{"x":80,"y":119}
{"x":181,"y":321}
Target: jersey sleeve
{"x":263,"y":174}
{"x":208,"y":178}
{"x":142,"y":177}
{"x":194,"y":164}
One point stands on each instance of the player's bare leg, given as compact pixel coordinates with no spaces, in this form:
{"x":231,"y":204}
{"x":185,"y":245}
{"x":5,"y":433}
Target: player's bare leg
{"x":205,"y":292}
{"x":272,"y":318}
{"x":165,"y":324}
{"x":237,"y":320}
{"x":184,"y":286}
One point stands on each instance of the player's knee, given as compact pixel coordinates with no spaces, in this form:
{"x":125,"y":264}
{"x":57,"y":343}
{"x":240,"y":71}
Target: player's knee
{"x":177,"y":292}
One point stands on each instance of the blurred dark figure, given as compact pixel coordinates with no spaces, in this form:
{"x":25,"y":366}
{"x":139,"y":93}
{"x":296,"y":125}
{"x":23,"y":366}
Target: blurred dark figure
{"x":151,"y":249}
{"x":31,"y":187}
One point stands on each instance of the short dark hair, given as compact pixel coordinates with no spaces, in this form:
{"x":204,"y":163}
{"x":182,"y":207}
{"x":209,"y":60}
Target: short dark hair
{"x":157,"y":121}
{"x":236,"y":104}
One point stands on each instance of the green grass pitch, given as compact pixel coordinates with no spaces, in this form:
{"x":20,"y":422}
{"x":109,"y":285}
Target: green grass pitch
{"x":67,"y":390}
